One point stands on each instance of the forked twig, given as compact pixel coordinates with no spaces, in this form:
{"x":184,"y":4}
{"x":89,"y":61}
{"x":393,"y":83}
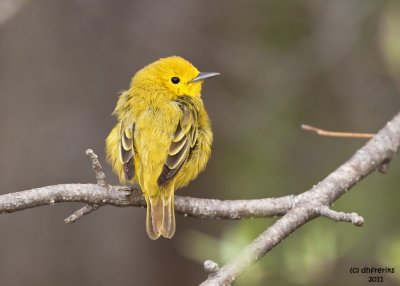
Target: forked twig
{"x":101,"y":181}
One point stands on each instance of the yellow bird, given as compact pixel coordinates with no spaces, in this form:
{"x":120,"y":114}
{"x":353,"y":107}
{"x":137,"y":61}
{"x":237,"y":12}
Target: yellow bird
{"x":163,"y":136}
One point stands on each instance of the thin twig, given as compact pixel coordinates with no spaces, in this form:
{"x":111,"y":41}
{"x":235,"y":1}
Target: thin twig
{"x":81,"y":212}
{"x":354,"y":218}
{"x":97,"y":168}
{"x":101,"y":181}
{"x":323,"y":132}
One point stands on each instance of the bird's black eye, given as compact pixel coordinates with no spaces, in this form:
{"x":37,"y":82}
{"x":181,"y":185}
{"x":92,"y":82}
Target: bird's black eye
{"x":175,"y":80}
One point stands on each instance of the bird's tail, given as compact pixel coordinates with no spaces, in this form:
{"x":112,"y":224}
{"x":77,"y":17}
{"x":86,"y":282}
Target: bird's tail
{"x":160,"y":218}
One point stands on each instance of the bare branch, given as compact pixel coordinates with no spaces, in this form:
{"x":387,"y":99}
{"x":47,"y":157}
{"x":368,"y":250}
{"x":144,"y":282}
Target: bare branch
{"x":328,"y":133}
{"x":295,"y":210}
{"x":121,"y":196}
{"x":233,"y":209}
{"x":354,"y":218}
{"x":81,"y":212}
{"x":97,"y":169}
{"x":260,"y":246}
{"x":379,"y":150}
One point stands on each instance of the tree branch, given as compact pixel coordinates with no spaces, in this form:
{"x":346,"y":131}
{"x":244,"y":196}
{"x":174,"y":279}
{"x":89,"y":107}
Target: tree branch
{"x":314,"y":202}
{"x":295,"y":210}
{"x":121,"y":196}
{"x":260,"y":246}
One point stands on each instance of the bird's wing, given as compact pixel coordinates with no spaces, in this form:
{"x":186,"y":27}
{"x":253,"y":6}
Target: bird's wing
{"x":184,"y":139}
{"x":126,"y":150}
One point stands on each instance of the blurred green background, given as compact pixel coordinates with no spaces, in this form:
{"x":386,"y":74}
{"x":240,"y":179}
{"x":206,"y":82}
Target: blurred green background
{"x":334,"y":64}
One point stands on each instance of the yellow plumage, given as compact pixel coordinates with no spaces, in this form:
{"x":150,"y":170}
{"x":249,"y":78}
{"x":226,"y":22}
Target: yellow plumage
{"x":163,"y":136}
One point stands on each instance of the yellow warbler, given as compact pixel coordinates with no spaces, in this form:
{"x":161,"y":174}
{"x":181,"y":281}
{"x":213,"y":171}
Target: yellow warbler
{"x":163,"y":136}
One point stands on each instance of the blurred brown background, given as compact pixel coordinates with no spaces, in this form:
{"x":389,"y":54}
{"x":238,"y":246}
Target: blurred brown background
{"x":335,"y":64}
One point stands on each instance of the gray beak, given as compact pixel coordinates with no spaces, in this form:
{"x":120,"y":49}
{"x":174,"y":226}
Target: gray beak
{"x":204,"y":75}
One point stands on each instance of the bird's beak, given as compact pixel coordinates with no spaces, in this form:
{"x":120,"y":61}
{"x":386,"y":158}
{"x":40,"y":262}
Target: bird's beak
{"x":204,"y":75}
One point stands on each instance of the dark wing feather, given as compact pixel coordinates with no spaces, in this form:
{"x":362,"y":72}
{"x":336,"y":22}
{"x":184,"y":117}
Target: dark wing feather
{"x":127,"y":151}
{"x":183,"y":140}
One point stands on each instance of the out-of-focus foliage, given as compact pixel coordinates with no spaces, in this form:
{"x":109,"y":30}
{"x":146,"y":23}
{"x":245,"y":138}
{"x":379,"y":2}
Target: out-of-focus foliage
{"x":390,"y":31}
{"x":388,"y":254}
{"x":334,"y":64}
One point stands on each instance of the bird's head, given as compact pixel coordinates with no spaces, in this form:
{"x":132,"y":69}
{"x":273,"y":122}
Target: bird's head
{"x":175,"y":74}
